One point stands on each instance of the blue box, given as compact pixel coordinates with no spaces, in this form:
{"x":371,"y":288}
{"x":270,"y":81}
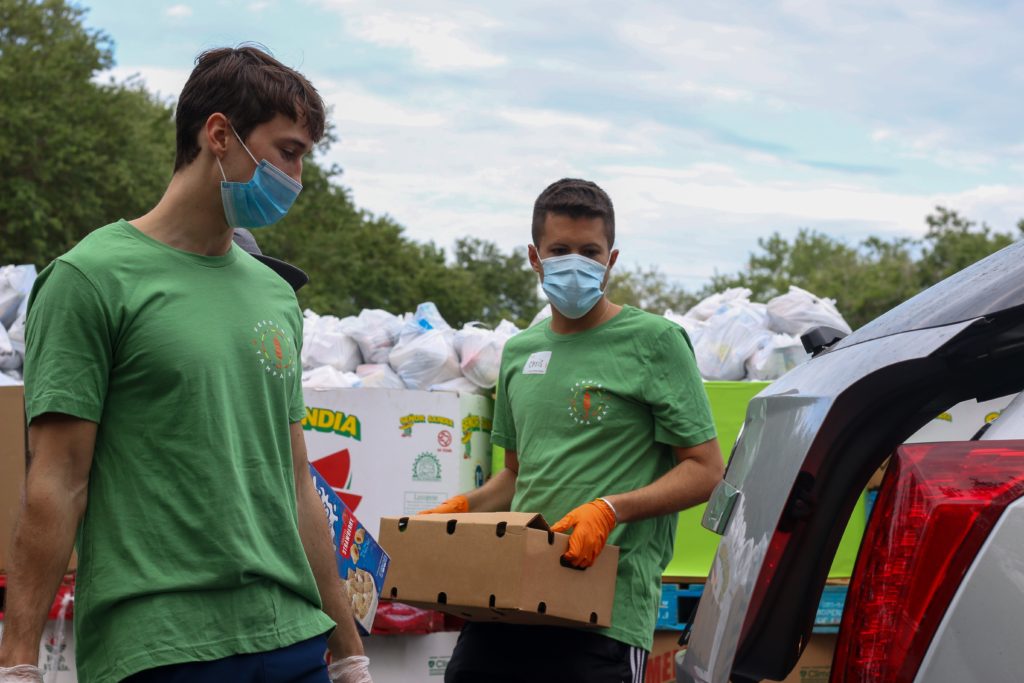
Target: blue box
{"x":362,"y":563}
{"x":677,"y":603}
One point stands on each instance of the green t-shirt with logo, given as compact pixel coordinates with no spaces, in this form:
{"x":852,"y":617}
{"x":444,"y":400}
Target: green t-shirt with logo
{"x":594,"y":414}
{"x":189,"y":548}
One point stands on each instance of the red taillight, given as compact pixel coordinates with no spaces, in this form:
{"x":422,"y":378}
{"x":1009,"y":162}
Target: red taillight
{"x":937,"y":505}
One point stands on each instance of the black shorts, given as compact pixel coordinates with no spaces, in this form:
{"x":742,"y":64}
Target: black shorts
{"x":510,"y":653}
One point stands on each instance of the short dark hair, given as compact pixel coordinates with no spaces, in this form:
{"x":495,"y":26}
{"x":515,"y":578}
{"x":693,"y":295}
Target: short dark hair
{"x":249,"y":87}
{"x":574,"y":198}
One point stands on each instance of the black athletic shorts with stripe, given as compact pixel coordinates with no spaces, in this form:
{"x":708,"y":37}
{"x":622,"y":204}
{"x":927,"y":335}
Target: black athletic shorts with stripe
{"x":510,"y":653}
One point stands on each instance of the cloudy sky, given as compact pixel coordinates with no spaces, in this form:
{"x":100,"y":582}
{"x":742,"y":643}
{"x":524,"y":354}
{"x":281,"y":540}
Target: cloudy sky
{"x":709,"y":123}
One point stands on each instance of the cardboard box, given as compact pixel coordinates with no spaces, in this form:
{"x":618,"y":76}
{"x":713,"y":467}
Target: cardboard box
{"x":495,"y":566}
{"x":13,"y":458}
{"x":362,"y":564}
{"x":410,"y":659}
{"x":396,"y":452}
{"x":661,"y":666}
{"x":12,"y":462}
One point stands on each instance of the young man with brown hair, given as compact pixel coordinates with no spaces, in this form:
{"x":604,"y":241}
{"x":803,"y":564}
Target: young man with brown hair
{"x":606,"y":428}
{"x":163,"y":394}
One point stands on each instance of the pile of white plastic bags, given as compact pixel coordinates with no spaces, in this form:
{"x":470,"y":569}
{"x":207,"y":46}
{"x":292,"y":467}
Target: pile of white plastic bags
{"x":420,"y":350}
{"x":736,"y":339}
{"x":15,"y":286}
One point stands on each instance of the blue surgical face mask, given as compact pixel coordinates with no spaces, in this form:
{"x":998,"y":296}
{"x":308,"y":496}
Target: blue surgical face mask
{"x":262,"y":201}
{"x":573,"y":283}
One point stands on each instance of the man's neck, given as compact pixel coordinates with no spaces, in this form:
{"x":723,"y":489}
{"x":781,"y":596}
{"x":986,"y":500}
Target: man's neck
{"x":190,"y":217}
{"x":601,"y":313}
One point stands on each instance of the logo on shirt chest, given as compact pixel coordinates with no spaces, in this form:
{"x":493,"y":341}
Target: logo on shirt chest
{"x":275,"y":349}
{"x":588,"y":402}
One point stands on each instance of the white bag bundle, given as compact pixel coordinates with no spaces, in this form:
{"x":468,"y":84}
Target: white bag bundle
{"x":329,"y":377}
{"x":798,"y":311}
{"x":777,"y":355}
{"x":480,"y":352}
{"x":15,"y":286}
{"x":710,"y":305}
{"x":542,"y":314}
{"x":732,"y":336}
{"x":459,"y":385}
{"x":376,"y":332}
{"x":694,"y":327}
{"x":425,"y":319}
{"x":325,"y":342}
{"x":10,"y":359}
{"x":423,"y":360}
{"x":379,"y":376}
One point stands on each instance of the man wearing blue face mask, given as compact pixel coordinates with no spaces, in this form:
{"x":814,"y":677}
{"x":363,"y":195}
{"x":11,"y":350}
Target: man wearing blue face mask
{"x":607,"y":429}
{"x":164,"y":399}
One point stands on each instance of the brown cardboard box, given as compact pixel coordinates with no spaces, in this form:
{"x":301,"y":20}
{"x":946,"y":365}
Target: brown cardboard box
{"x":12,"y":462}
{"x":13,"y":456}
{"x":495,"y":566}
{"x":661,"y":664}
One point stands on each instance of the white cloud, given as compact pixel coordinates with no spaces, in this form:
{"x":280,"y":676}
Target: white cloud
{"x":178,"y":11}
{"x":439,"y":44}
{"x":164,"y":81}
{"x":541,"y":118}
{"x":352,"y":104}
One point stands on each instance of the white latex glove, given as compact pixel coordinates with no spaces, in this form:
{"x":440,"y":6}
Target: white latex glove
{"x":350,"y":670}
{"x":23,"y":673}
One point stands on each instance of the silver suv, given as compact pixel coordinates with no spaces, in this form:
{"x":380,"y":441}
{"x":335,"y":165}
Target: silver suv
{"x":938,"y":590}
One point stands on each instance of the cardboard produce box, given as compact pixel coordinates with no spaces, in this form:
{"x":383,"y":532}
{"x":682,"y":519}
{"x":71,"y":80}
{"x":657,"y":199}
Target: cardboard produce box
{"x":396,"y":452}
{"x":495,"y":566}
{"x":814,"y":665}
{"x":12,"y":463}
{"x":362,"y":564}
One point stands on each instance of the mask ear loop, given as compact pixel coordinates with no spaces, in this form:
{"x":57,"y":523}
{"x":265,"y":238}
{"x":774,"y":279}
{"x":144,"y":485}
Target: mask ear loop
{"x":222,"y":174}
{"x":243,"y":145}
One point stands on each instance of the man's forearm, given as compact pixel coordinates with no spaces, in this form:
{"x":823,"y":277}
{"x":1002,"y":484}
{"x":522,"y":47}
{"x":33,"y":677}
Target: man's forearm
{"x":316,"y":540}
{"x":43,"y":539}
{"x":495,"y":495}
{"x":687,"y":484}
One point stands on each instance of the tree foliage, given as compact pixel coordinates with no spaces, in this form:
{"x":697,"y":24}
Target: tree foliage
{"x":868,"y":278}
{"x":76,"y":154}
{"x":649,"y":289}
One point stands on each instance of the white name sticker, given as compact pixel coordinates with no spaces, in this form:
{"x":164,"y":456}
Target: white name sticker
{"x":537,"y":363}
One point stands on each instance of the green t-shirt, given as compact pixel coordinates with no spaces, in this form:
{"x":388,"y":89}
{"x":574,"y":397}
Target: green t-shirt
{"x":189,"y":548}
{"x":594,"y":414}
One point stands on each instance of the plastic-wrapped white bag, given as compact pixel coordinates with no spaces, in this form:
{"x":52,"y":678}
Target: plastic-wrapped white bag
{"x":329,"y":377}
{"x":376,"y":332}
{"x":10,"y":359}
{"x":694,"y":327}
{"x":325,"y":342}
{"x":732,"y":336}
{"x":777,"y":355}
{"x":15,"y":286}
{"x":426,"y":359}
{"x":459,"y":385}
{"x":542,"y":314}
{"x":480,"y":352}
{"x":379,"y":376}
{"x":710,"y":305}
{"x":798,"y":310}
{"x":425,"y":319}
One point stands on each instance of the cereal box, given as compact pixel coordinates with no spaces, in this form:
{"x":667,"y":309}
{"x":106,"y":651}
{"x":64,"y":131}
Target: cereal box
{"x":362,"y":564}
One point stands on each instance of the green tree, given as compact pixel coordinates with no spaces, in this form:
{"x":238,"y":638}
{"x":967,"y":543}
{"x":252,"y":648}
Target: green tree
{"x":953,"y":242}
{"x":649,"y":289}
{"x":74,"y":154}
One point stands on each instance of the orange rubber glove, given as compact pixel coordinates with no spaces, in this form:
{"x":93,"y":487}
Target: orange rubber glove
{"x":590,"y":523}
{"x":450,"y":506}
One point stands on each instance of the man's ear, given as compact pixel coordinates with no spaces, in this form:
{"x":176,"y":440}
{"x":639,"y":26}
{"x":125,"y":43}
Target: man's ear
{"x":215,"y":134}
{"x":608,"y":269}
{"x":531,"y":251}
